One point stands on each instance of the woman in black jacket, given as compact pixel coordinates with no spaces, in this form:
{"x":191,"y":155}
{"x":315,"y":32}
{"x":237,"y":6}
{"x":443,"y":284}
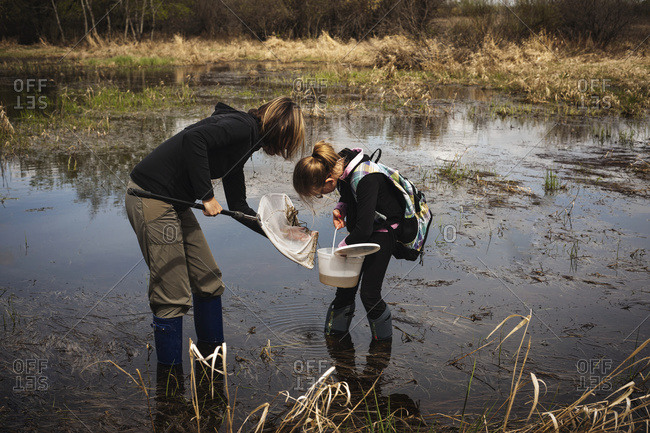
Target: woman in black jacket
{"x":172,"y":243}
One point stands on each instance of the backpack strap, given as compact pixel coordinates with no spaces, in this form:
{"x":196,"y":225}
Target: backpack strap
{"x":363,"y":160}
{"x":370,"y":167}
{"x":417,"y":196}
{"x":372,"y":155}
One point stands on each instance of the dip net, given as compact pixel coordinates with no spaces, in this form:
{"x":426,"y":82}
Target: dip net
{"x":279,"y":220}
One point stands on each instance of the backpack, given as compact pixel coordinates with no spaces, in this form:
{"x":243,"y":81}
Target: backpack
{"x":417,"y":215}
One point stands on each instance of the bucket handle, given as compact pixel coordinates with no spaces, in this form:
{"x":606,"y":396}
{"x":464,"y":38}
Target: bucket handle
{"x":334,"y":239}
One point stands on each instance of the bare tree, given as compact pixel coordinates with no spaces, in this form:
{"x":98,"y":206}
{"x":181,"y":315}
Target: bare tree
{"x":153,"y":19}
{"x":126,"y":18}
{"x":108,"y":24}
{"x":58,"y":21}
{"x":83,"y":10}
{"x":415,"y":16}
{"x":600,"y":20}
{"x":92,"y":19}
{"x":144,"y":5}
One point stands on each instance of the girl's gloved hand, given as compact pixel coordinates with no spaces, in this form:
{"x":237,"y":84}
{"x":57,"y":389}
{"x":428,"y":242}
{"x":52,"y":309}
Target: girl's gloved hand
{"x":337,"y":219}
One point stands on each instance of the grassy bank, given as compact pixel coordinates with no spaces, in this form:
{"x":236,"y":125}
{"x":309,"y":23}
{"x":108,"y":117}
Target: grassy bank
{"x":90,"y":110}
{"x":540,"y":70}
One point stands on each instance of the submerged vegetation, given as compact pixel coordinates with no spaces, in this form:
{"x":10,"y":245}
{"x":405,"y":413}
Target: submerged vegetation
{"x":551,"y":181}
{"x":454,"y":171}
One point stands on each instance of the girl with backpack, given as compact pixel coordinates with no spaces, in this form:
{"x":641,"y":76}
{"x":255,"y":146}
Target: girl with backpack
{"x":374,"y":204}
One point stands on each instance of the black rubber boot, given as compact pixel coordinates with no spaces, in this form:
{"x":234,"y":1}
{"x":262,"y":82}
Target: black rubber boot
{"x":382,"y":326}
{"x":337,"y":321}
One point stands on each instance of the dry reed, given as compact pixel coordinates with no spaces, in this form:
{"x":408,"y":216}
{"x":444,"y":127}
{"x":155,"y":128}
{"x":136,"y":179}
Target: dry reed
{"x":616,"y":413}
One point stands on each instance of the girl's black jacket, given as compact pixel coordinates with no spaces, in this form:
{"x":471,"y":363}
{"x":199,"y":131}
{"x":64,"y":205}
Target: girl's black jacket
{"x":375,"y":193}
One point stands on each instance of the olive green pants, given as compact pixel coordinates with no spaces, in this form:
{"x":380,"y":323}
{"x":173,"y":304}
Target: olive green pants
{"x":179,"y":258}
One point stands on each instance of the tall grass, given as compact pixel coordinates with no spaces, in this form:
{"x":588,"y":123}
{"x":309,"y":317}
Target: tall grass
{"x":551,"y":181}
{"x":6,"y":130}
{"x":129,"y":61}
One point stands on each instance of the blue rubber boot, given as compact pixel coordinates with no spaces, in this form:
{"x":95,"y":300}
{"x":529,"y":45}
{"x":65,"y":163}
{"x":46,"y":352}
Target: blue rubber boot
{"x":168,"y":335}
{"x":382,"y":326}
{"x":337,"y":321}
{"x":208,"y":323}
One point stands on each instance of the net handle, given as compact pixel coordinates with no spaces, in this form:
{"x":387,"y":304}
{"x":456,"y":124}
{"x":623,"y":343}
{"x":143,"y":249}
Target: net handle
{"x":146,"y":194}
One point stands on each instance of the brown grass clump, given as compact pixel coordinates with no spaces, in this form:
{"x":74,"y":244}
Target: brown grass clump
{"x":618,"y":412}
{"x":201,"y":51}
{"x":401,"y":53}
{"x":6,"y":128}
{"x":537,"y":69}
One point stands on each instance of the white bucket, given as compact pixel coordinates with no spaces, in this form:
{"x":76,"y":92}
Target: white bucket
{"x":338,"y":271}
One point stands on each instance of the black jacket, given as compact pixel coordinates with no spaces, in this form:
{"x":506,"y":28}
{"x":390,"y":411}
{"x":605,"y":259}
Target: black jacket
{"x":375,"y":193}
{"x":213,"y":148}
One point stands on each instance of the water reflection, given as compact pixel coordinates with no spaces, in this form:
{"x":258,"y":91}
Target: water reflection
{"x":97,"y":169}
{"x":361,"y":382}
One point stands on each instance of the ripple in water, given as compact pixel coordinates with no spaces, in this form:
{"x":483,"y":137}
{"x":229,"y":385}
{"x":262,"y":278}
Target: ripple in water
{"x":300,"y":326}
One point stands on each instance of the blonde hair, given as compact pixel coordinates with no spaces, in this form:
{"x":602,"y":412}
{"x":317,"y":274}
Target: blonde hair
{"x":311,"y":172}
{"x":283,"y":127}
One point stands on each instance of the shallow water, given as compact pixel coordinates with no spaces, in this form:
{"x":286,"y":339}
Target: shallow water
{"x":73,"y":285}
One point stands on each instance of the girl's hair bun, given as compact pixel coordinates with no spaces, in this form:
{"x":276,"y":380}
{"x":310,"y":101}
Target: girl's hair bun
{"x":311,"y":172}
